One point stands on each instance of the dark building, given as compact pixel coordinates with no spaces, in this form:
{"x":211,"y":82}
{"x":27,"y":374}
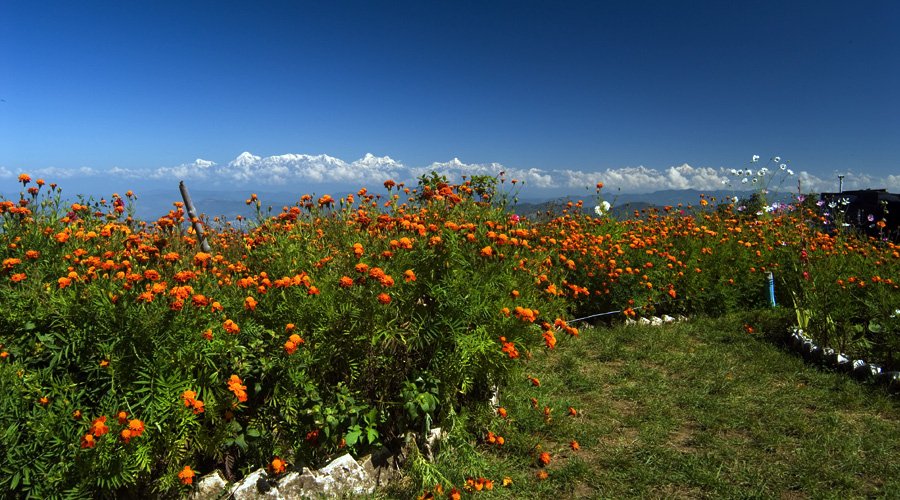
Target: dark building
{"x":862,"y":205}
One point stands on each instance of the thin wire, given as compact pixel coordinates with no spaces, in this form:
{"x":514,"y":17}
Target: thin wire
{"x":619,"y":311}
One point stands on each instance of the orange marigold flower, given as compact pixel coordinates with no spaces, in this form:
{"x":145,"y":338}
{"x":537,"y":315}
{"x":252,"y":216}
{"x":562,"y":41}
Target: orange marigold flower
{"x":208,"y":334}
{"x":290,"y":327}
{"x":455,"y":494}
{"x":345,"y":282}
{"x":384,"y":298}
{"x":487,"y":251}
{"x":104,"y":363}
{"x":278,"y":465}
{"x":16,"y":278}
{"x":187,"y":475}
{"x":502,"y":412}
{"x":542,"y":475}
{"x":189,"y":397}
{"x":544,"y":458}
{"x":313,"y":290}
{"x":99,"y":427}
{"x":236,"y":386}
{"x":574,"y":445}
{"x":126,"y":435}
{"x":123,"y":417}
{"x":64,"y":282}
{"x":88,"y":441}
{"x":44,"y":401}
{"x":231,"y":327}
{"x":534,"y":381}
{"x":290,"y":347}
{"x":507,"y":481}
{"x":573,"y":411}
{"x":32,"y":254}
{"x":250,"y":304}
{"x":409,"y":275}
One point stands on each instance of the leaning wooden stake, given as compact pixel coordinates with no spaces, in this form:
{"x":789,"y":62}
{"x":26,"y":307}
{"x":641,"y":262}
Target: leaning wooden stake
{"x":189,"y":205}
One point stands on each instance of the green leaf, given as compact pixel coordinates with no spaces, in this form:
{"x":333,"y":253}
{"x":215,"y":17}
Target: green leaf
{"x":353,"y":435}
{"x":371,"y":435}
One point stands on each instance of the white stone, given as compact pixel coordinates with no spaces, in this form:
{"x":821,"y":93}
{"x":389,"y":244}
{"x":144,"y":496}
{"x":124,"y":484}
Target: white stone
{"x":342,"y":477}
{"x":668,"y":319}
{"x":495,"y":396}
{"x":656,"y":321}
{"x":644,"y":321}
{"x":247,"y":489}
{"x":210,"y":487}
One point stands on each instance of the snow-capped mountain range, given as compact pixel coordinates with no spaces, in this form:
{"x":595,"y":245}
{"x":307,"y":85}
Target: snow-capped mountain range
{"x":321,"y":171}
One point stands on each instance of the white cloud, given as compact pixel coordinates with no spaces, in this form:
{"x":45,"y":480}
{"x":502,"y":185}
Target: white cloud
{"x":893,"y":182}
{"x":371,"y":170}
{"x":63,"y":173}
{"x":455,"y":169}
{"x":644,"y":180}
{"x":197,"y":169}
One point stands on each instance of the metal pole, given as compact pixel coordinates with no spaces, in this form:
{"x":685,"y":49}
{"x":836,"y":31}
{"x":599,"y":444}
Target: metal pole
{"x":840,"y":184}
{"x":189,"y":205}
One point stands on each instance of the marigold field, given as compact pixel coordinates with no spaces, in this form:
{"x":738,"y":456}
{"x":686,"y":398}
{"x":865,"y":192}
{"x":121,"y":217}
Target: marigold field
{"x":131,"y":362}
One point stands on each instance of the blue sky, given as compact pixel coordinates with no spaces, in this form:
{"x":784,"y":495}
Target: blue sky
{"x":595,"y":89}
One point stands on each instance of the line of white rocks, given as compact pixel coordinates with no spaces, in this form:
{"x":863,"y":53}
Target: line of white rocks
{"x":806,"y":347}
{"x":655,"y":320}
{"x":342,"y":477}
{"x":858,"y":368}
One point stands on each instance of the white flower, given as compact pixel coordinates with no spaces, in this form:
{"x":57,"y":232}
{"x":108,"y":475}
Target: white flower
{"x":744,"y":180}
{"x":782,"y":166}
{"x":845,"y":201}
{"x":724,"y":182}
{"x":776,"y":159}
{"x":734,"y":172}
{"x":602,"y":208}
{"x":760,"y":173}
{"x":755,"y":180}
{"x":790,"y":172}
{"x":755,"y":158}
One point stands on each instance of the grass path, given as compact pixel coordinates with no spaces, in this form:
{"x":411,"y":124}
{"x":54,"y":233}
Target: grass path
{"x":689,"y":410}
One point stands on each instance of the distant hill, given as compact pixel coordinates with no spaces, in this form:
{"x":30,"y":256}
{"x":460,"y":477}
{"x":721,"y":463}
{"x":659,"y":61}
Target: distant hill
{"x":154,"y":203}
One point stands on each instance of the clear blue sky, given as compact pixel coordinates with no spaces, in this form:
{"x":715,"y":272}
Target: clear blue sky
{"x":583,"y":85}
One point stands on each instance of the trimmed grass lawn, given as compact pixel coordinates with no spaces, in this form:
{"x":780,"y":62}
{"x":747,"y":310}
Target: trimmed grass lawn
{"x":686,"y":410}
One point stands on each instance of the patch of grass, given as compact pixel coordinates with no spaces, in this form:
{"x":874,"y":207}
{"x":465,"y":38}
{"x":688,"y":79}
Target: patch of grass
{"x":687,"y":410}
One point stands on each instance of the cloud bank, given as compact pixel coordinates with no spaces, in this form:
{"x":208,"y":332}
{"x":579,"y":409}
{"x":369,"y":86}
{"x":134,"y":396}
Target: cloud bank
{"x":248,"y":169}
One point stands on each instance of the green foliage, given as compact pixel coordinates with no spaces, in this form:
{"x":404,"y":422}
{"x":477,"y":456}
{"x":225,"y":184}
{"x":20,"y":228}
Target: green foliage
{"x":341,"y":324}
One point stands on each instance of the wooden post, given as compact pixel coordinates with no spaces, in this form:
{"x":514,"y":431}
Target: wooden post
{"x":189,"y":205}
